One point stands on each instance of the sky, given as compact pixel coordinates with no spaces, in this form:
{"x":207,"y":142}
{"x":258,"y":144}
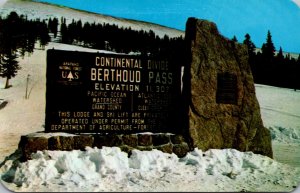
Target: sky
{"x":233,"y":17}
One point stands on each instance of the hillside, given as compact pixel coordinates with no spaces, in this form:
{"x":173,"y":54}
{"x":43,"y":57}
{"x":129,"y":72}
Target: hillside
{"x":45,"y":11}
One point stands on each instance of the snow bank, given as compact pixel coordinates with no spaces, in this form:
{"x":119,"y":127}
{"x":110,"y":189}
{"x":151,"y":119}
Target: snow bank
{"x":110,"y":169}
{"x":284,"y":135}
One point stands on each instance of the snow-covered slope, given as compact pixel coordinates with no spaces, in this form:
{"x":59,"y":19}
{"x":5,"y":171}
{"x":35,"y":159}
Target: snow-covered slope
{"x":45,"y":11}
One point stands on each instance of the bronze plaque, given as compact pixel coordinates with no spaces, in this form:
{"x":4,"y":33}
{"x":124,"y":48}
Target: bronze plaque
{"x":227,"y":88}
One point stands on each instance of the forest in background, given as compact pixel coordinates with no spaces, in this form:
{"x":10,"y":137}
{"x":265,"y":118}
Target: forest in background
{"x":273,"y":68}
{"x":18,"y":36}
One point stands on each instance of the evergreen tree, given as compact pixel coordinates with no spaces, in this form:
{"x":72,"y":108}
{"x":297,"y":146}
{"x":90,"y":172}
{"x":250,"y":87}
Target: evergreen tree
{"x":234,"y":39}
{"x":53,"y":26}
{"x":253,"y":58}
{"x":1,"y":41}
{"x":10,"y":39}
{"x":297,"y":72}
{"x":280,"y":56}
{"x":250,"y":45}
{"x":9,"y":67}
{"x":268,"y":48}
{"x":18,"y":36}
{"x":64,"y":31}
{"x":43,"y":35}
{"x":280,"y":53}
{"x":288,"y":57}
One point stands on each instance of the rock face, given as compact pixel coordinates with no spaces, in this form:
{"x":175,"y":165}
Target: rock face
{"x":222,"y":108}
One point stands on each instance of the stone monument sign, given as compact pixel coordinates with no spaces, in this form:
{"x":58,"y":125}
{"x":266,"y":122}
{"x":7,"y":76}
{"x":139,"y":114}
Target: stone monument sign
{"x":122,"y":97}
{"x":110,"y":93}
{"x":221,"y":105}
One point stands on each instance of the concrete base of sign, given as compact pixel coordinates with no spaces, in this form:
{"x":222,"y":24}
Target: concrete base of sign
{"x":166,"y":142}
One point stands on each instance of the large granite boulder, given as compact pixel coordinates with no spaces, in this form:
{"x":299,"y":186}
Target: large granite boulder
{"x":222,"y":108}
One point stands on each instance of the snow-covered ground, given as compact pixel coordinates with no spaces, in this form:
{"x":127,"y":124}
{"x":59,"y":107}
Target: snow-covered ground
{"x":280,"y":109}
{"x":109,"y":169}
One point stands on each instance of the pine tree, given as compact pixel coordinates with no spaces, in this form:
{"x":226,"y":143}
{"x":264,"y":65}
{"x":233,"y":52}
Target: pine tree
{"x":280,"y":56}
{"x":43,"y":35}
{"x":250,"y":45}
{"x":268,"y":48}
{"x":298,"y":60}
{"x":64,"y":31}
{"x":297,"y":72}
{"x":53,"y":26}
{"x":9,"y":67}
{"x":18,"y":36}
{"x":1,"y":41}
{"x":11,"y":39}
{"x":234,"y":39}
{"x":288,"y":57}
{"x":252,"y":56}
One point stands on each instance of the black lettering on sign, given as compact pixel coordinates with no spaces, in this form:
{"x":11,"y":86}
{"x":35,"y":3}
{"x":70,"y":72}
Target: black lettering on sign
{"x":227,"y":89}
{"x":111,"y":93}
